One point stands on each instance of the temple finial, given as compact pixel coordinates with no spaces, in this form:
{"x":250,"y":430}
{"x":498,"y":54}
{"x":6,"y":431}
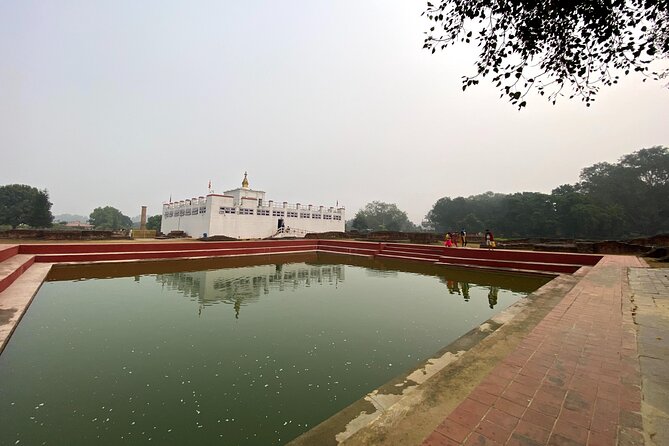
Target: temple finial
{"x":245,"y":181}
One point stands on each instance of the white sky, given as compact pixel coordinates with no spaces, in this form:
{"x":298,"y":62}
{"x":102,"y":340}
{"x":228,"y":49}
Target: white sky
{"x":123,"y":103}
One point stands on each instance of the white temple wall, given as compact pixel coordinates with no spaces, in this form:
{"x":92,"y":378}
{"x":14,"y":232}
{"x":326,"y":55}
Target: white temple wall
{"x":220,"y":200}
{"x":243,"y":226}
{"x":224,"y":215}
{"x":315,"y":225}
{"x":193,"y":225}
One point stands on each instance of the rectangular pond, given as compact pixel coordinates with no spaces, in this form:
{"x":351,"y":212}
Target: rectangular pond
{"x":253,"y":354}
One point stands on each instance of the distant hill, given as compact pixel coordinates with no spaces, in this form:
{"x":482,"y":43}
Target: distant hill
{"x":70,"y":217}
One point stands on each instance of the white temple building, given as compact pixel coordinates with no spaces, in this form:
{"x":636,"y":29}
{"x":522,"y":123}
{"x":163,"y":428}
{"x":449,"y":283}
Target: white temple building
{"x":244,"y":213}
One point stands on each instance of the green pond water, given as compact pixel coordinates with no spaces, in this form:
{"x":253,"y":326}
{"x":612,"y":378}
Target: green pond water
{"x":251,"y":355}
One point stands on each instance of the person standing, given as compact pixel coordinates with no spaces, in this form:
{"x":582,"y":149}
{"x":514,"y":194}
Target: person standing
{"x":463,"y":237}
{"x":489,"y":239}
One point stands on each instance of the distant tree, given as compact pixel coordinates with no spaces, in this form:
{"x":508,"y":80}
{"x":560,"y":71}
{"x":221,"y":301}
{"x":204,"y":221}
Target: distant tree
{"x":23,"y":204}
{"x":627,"y":198}
{"x":379,"y":216}
{"x":650,"y":165}
{"x":527,"y":214}
{"x":452,"y":214}
{"x":637,"y":185}
{"x":109,"y":218}
{"x":578,"y":215}
{"x":154,"y":222}
{"x":471,"y":224}
{"x":548,"y":45}
{"x":566,"y":200}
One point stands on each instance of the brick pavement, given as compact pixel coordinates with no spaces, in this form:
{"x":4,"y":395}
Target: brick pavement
{"x":574,"y":380}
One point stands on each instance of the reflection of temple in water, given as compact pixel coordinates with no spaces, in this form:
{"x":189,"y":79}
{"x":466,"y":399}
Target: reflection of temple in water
{"x":371,"y":272}
{"x":241,"y":286}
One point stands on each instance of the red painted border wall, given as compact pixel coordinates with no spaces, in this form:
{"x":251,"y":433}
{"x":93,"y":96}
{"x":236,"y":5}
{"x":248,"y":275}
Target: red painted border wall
{"x":11,"y":277}
{"x":95,"y":252}
{"x":156,"y":255}
{"x":9,"y":251}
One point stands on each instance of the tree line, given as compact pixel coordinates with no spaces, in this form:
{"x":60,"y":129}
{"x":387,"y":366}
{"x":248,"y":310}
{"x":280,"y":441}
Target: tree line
{"x":26,"y":206}
{"x":624,"y":199}
{"x":611,"y":200}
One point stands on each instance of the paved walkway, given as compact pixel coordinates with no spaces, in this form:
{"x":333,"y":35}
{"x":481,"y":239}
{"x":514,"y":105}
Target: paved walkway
{"x":574,"y":380}
{"x":650,"y":288}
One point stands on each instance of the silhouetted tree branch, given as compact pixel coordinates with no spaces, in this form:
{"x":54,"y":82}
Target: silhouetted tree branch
{"x":553,"y":45}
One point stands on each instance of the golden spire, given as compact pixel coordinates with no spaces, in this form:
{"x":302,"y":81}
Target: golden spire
{"x":245,"y":182}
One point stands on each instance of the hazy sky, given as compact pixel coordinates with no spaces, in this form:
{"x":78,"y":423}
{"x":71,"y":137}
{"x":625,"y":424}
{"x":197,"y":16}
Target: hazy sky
{"x":123,"y":103}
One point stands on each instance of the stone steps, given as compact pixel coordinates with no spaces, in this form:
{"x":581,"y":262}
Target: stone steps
{"x":404,"y":256}
{"x":168,"y":254}
{"x":12,"y":267}
{"x":510,"y":264}
{"x":349,"y":251}
{"x":414,"y":254}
